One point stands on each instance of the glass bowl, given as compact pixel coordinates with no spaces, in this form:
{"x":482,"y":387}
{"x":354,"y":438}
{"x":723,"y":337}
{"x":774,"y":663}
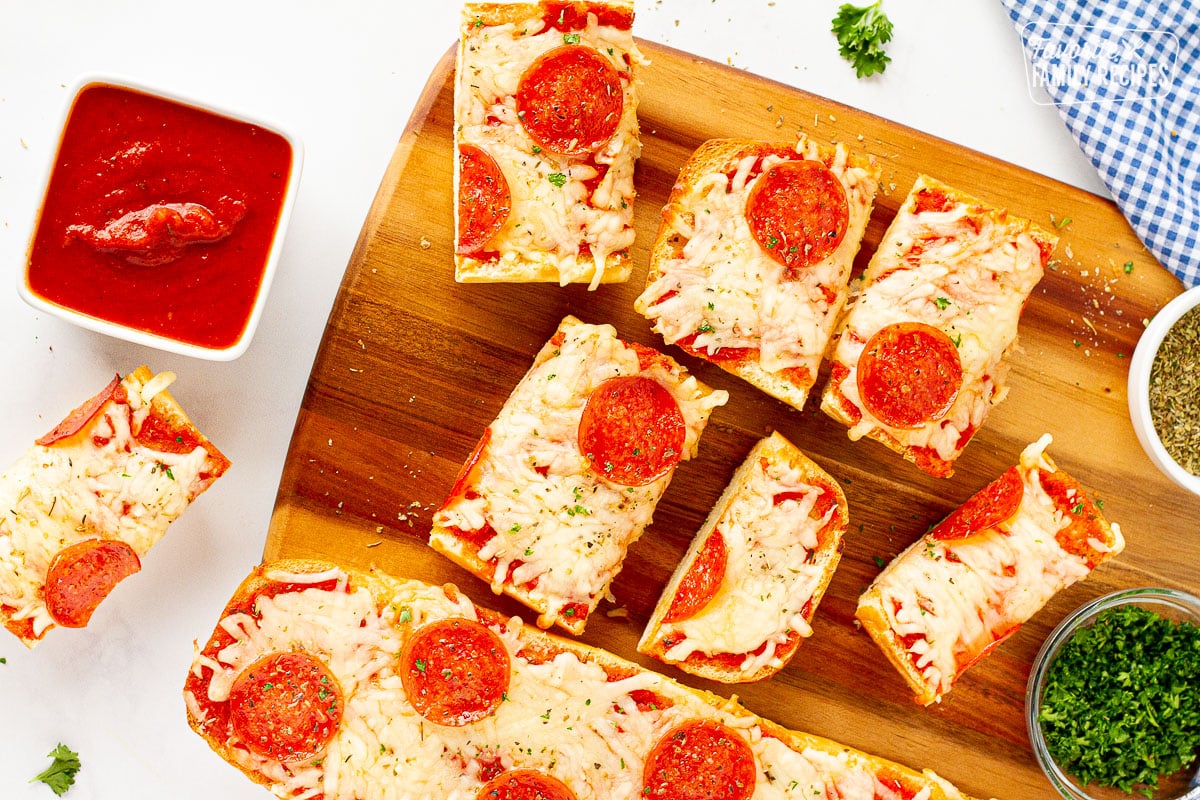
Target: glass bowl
{"x":1139,"y":388}
{"x":1169,"y":603}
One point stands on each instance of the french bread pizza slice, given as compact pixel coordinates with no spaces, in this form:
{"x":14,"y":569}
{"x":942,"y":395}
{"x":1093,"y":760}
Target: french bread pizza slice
{"x":546,"y":137}
{"x":752,"y":260}
{"x":960,"y":590}
{"x":569,"y":473}
{"x":742,"y":599}
{"x":323,"y":682}
{"x":82,"y":506}
{"x":921,"y":354}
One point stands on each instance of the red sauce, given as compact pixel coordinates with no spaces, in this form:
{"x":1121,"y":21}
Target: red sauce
{"x":572,"y":16}
{"x":159,"y":216}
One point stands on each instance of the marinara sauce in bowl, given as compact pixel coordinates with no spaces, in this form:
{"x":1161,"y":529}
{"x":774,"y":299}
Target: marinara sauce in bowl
{"x":162,"y":220}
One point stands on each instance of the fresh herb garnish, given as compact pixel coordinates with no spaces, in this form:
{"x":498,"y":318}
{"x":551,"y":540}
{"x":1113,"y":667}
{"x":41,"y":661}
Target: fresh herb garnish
{"x":1121,"y":703}
{"x":861,"y":33}
{"x":557,"y":178}
{"x":60,"y":775}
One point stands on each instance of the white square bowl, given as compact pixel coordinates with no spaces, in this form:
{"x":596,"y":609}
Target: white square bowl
{"x":161,"y":341}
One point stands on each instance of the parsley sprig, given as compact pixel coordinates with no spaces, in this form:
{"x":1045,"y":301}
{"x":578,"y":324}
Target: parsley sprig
{"x":1121,"y":704}
{"x":60,"y":775}
{"x":862,"y":31}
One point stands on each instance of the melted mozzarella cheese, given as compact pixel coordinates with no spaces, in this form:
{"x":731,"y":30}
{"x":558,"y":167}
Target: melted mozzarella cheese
{"x":566,"y":717}
{"x":957,"y":597}
{"x":555,"y":218}
{"x":934,"y":267}
{"x":770,"y":574}
{"x":554,"y":518}
{"x":817,"y":775}
{"x":727,"y":290}
{"x":101,"y":484}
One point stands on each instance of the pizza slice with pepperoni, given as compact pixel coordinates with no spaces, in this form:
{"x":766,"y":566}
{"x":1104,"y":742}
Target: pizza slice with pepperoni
{"x":920,"y":356}
{"x":319,"y":682}
{"x":546,"y":138}
{"x":569,"y":473}
{"x":83,"y":506}
{"x":752,"y":260}
{"x":742,"y":599}
{"x":960,"y":590}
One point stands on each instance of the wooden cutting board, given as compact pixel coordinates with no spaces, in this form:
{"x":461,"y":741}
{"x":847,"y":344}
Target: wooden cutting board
{"x":413,"y":366}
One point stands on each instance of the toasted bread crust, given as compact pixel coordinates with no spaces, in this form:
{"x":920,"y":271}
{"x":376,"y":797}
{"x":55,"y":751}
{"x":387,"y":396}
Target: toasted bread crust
{"x":719,"y":666}
{"x":466,"y":556}
{"x":874,"y":617}
{"x":543,"y":646}
{"x":170,"y":416}
{"x":833,"y":401}
{"x":532,"y":261}
{"x":722,"y":156}
{"x":450,"y":542}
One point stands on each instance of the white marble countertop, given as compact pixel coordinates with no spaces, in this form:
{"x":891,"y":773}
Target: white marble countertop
{"x":345,"y":77}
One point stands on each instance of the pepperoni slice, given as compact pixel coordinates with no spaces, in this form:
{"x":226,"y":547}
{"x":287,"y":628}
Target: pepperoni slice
{"x":986,"y":650}
{"x":570,"y":100}
{"x":699,"y":585}
{"x":700,"y":760}
{"x":798,"y":213}
{"x":1081,"y":513}
{"x":988,"y":507}
{"x":484,"y":199}
{"x":632,"y":430}
{"x":286,"y":706}
{"x":75,"y":421}
{"x":931,"y":200}
{"x":455,"y":671}
{"x":525,"y":784}
{"x":82,"y":575}
{"x":909,"y":374}
{"x":463,"y":480}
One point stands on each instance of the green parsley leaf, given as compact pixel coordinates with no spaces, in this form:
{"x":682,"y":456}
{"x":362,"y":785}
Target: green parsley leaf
{"x":60,"y":775}
{"x":861,"y":33}
{"x":570,"y":38}
{"x":942,"y":303}
{"x":1128,"y":267}
{"x":705,"y":327}
{"x":1136,"y":718}
{"x":557,"y":178}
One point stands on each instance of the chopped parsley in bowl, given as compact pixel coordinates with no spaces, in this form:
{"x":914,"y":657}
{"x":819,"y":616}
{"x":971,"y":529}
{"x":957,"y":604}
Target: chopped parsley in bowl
{"x":1113,"y":701}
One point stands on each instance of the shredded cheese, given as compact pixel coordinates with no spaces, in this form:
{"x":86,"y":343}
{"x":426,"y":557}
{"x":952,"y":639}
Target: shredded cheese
{"x":558,"y":221}
{"x":104,"y":484}
{"x":966,"y":271}
{"x":564,"y":716}
{"x":554,"y":520}
{"x":952,"y":599}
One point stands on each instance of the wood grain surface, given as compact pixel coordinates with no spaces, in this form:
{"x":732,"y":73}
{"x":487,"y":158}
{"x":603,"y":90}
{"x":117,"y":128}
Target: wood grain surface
{"x":413,"y":367}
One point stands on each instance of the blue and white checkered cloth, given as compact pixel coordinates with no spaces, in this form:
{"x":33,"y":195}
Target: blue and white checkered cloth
{"x":1125,"y":76}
